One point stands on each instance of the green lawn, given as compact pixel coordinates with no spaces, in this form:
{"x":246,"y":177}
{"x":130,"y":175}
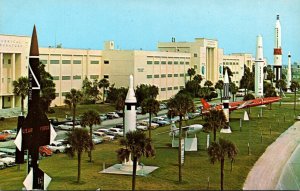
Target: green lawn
{"x":196,"y":169}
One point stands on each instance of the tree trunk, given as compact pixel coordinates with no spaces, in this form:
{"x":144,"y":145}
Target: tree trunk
{"x":295,"y":100}
{"x":91,"y":137}
{"x":79,"y":166}
{"x":179,"y":150}
{"x":221,"y":95}
{"x":103,"y":94}
{"x":149,"y":125}
{"x":22,"y":105}
{"x":74,"y":112}
{"x":215,"y":134}
{"x":222,"y":173}
{"x":134,"y":172}
{"x":280,"y":97}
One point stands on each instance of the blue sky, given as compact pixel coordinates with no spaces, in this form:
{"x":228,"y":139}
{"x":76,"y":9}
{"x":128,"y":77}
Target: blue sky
{"x":135,"y":24}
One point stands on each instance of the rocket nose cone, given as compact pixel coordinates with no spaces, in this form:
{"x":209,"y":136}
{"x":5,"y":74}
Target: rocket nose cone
{"x":34,"y":47}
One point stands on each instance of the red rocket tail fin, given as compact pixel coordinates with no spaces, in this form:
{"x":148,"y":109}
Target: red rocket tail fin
{"x":205,"y":104}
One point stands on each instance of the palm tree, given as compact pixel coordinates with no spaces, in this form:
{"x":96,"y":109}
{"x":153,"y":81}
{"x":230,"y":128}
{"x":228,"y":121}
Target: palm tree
{"x":191,"y":72}
{"x":21,"y":89}
{"x":233,"y":89}
{"x":215,"y":120}
{"x":219,"y":85}
{"x":135,"y":145}
{"x":294,"y":87}
{"x":120,"y":101}
{"x":218,"y":152}
{"x":208,"y":83}
{"x":151,"y":106}
{"x":281,"y":84}
{"x":72,"y":99}
{"x":90,"y":118}
{"x":79,"y":140}
{"x":104,"y":83}
{"x":179,"y":106}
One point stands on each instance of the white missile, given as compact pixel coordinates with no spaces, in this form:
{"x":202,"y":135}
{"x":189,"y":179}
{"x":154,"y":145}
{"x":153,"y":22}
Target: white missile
{"x":259,"y":68}
{"x":130,"y":108}
{"x":289,"y":72}
{"x":226,"y":98}
{"x":277,"y":50}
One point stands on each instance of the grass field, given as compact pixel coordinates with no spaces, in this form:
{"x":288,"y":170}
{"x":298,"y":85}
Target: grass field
{"x":196,"y":169}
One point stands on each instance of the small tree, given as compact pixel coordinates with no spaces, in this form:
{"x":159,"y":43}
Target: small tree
{"x":136,"y":145}
{"x":208,"y":83}
{"x":104,"y":83}
{"x":120,"y":101}
{"x":217,"y":151}
{"x":191,"y":72}
{"x":219,"y":85}
{"x":21,"y":89}
{"x":72,"y":99}
{"x":180,"y":105}
{"x":215,"y":120}
{"x":294,"y":87}
{"x":281,"y":84}
{"x":150,"y":106}
{"x":79,"y":141}
{"x":145,"y":91}
{"x":233,"y":89}
{"x":90,"y":118}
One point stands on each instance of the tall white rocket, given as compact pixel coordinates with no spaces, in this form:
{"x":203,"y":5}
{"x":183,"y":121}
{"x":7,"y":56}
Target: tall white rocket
{"x":259,"y":68}
{"x":289,"y":72}
{"x":277,"y":51}
{"x":130,"y":108}
{"x":226,"y":98}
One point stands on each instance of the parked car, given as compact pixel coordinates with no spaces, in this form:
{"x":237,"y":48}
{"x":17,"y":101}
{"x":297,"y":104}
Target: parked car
{"x":104,"y":136}
{"x":146,"y":122}
{"x":68,"y":126}
{"x":120,"y":126}
{"x":13,"y":132}
{"x":58,"y":147}
{"x":120,"y":113}
{"x":160,"y":121}
{"x":2,"y":166}
{"x":96,"y":139}
{"x":162,"y":106}
{"x":116,"y":131}
{"x":103,"y":130}
{"x":103,"y":117}
{"x":112,"y":115}
{"x":45,"y":151}
{"x":7,"y":136}
{"x":139,"y":110}
{"x":298,"y":117}
{"x":7,"y":160}
{"x":142,"y":127}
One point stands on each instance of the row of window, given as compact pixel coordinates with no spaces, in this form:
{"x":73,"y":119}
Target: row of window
{"x":171,"y":88}
{"x":169,"y":62}
{"x":67,"y":61}
{"x":230,"y":63}
{"x":76,"y":77}
{"x":164,"y":75}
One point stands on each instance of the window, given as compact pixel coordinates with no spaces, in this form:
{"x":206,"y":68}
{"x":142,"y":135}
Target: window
{"x":195,"y":55}
{"x":187,"y":63}
{"x":43,"y":62}
{"x":169,"y":88}
{"x":163,"y":62}
{"x":77,"y":77}
{"x":66,"y":77}
{"x":106,"y":61}
{"x":106,"y":76}
{"x":181,"y":75}
{"x":94,"y":77}
{"x":156,"y":62}
{"x":195,"y":67}
{"x":175,"y":87}
{"x":55,"y":77}
{"x":181,"y":62}
{"x":169,"y":75}
{"x":162,"y":89}
{"x":54,"y":61}
{"x":149,"y":62}
{"x":156,"y":76}
{"x":181,"y":87}
{"x":149,"y":76}
{"x":56,"y":94}
{"x":66,"y":62}
{"x":176,"y":62}
{"x":76,"y":61}
{"x":9,"y":61}
{"x":95,"y":62}
{"x":169,"y":62}
{"x":64,"y":93}
{"x":163,"y":75}
{"x":175,"y":75}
